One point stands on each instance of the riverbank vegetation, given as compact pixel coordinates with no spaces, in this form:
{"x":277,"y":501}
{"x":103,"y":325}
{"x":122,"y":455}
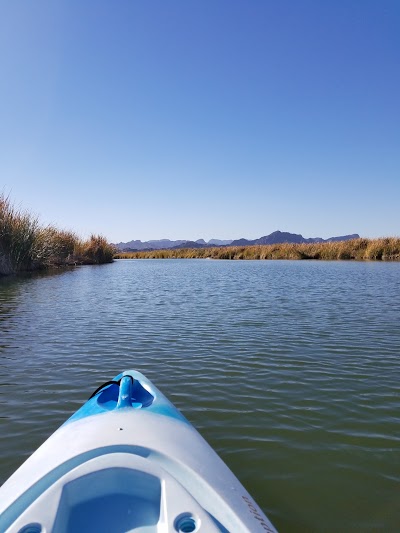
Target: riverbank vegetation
{"x":26,"y":245}
{"x":383,"y":249}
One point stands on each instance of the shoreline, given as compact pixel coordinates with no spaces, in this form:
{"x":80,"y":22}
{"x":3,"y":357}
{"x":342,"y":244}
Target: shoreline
{"x":381,"y":249}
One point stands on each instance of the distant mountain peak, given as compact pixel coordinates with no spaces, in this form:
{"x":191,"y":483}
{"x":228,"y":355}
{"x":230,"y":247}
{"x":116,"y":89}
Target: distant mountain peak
{"x":220,"y":242}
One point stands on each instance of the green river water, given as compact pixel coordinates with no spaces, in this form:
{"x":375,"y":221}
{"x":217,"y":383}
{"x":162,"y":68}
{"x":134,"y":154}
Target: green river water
{"x":290,"y":370}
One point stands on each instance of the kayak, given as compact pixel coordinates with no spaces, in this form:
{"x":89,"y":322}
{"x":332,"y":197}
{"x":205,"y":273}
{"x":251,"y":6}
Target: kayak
{"x":127,"y":460}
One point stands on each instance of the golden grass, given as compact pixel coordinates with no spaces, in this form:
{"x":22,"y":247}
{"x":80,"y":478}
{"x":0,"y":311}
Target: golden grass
{"x":26,"y":245}
{"x":17,"y":235}
{"x":385,"y":249}
{"x":96,"y":250}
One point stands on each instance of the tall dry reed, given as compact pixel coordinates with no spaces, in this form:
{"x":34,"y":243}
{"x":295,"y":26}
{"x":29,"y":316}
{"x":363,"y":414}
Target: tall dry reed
{"x":26,"y":245}
{"x":18,"y":231}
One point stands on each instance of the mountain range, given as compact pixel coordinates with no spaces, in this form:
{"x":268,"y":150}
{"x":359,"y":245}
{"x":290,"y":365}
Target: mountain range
{"x":277,"y":237}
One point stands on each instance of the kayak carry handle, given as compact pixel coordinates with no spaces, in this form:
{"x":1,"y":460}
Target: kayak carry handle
{"x":130,"y":393}
{"x":125,"y":391}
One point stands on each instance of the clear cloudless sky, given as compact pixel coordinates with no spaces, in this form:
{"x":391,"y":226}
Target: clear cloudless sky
{"x":148,"y":119}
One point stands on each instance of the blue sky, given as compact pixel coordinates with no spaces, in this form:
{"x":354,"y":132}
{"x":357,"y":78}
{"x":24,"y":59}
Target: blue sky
{"x":198,"y":119}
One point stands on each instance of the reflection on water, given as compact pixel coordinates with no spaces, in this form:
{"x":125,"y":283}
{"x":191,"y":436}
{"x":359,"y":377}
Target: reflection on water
{"x":291,"y":370}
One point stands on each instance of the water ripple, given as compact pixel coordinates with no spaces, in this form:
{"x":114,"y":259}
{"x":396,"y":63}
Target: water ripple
{"x":291,"y":370}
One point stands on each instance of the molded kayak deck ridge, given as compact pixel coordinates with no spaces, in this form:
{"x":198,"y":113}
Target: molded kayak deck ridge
{"x":127,"y":460}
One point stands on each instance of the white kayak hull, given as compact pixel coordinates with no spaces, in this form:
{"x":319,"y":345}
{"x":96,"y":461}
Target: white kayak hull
{"x":127,"y":467}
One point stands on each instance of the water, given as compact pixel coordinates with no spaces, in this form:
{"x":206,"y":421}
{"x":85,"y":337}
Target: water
{"x":291,"y":370}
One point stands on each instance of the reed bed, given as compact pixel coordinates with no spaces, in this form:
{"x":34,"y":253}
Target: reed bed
{"x":382,"y":249}
{"x":96,"y":250}
{"x":25,"y":245}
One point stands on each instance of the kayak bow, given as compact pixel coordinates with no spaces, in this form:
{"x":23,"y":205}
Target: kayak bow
{"x":127,"y":460}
